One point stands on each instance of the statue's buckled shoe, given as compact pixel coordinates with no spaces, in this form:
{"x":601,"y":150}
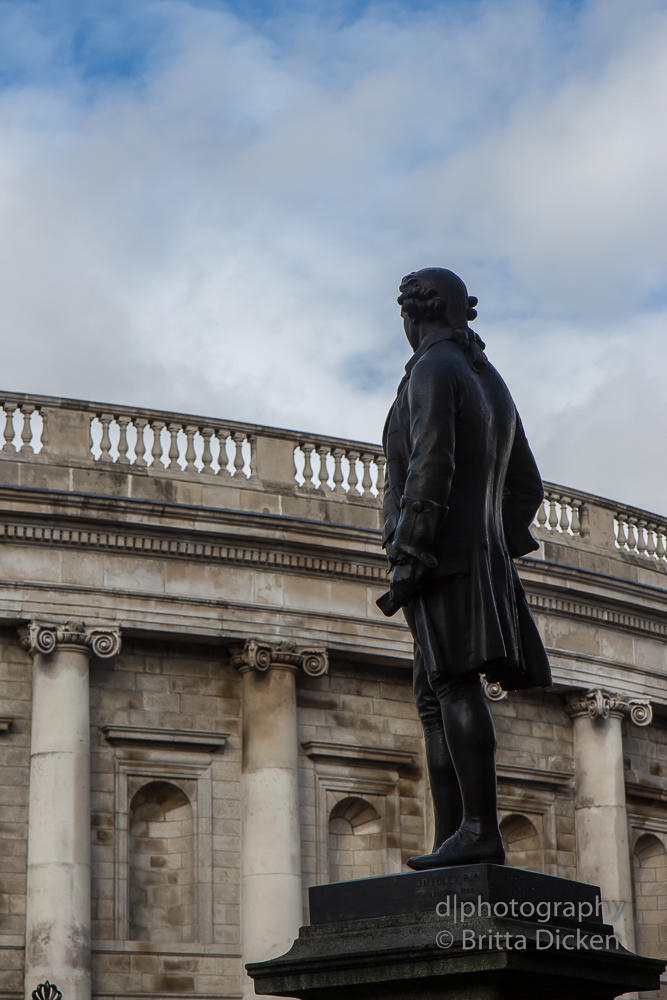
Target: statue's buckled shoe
{"x":461,"y":849}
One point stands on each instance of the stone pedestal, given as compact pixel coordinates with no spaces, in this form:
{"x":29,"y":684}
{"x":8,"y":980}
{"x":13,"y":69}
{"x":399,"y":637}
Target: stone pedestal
{"x":271,"y":906}
{"x":478,"y":932}
{"x":58,"y":869}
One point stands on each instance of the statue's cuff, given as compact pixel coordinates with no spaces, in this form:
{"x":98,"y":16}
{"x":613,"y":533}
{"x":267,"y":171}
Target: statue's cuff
{"x":418,"y":528}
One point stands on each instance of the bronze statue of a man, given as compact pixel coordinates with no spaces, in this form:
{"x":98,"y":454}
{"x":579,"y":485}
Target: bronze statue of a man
{"x":462,"y":488}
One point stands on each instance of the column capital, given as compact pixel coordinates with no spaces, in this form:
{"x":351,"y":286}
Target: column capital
{"x":493,"y":690}
{"x":255,"y":654}
{"x":599,"y":703}
{"x":46,"y":637}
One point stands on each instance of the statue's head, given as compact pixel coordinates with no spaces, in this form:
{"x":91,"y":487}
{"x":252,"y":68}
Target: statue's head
{"x":434,"y":296}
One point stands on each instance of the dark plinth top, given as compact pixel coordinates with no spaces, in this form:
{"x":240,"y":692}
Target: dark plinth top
{"x":420,"y":892}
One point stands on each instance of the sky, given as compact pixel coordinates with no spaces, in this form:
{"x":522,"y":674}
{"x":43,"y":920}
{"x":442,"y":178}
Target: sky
{"x":208,"y":207}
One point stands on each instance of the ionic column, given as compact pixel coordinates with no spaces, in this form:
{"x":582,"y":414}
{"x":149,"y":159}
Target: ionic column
{"x":271,"y":907}
{"x":600,"y":812}
{"x":58,"y":876}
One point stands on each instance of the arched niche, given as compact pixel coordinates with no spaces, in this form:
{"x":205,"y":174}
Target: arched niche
{"x":357,"y":842}
{"x":162,"y":865}
{"x":650,"y":883}
{"x":521,"y":840}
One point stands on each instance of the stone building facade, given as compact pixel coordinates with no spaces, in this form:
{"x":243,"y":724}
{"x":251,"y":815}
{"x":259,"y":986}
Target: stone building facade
{"x":204,"y":712}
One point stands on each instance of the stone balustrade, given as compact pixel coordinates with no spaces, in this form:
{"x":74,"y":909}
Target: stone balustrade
{"x":562,"y":512}
{"x":23,"y":427}
{"x":175,"y":444}
{"x":641,"y":533}
{"x":82,"y":437}
{"x":354,"y":469}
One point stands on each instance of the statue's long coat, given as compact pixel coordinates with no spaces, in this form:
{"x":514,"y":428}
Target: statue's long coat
{"x":453,"y":436}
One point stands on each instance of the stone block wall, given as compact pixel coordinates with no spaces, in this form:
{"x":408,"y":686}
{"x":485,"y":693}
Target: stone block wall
{"x":534,"y":734}
{"x":374,"y":707}
{"x":360,"y":815}
{"x":645,"y":761}
{"x":181,"y":687}
{"x":369,"y":706}
{"x":645,"y":753}
{"x":15,"y":704}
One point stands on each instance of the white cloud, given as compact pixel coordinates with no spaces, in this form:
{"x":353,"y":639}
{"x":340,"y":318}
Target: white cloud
{"x":223,"y":230}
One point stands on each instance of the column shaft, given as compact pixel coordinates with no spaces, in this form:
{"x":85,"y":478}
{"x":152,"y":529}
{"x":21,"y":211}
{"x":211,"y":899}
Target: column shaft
{"x":271,"y":852}
{"x":601,"y":816}
{"x":58,"y":873}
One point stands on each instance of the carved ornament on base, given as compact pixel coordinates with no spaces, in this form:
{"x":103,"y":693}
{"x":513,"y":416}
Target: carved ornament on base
{"x":47,"y":991}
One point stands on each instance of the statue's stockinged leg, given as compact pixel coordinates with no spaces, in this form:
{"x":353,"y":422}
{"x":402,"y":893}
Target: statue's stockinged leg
{"x":471,"y":741}
{"x":445,"y":792}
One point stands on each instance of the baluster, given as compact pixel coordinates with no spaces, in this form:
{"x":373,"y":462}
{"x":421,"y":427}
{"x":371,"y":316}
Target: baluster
{"x":564,"y":514}
{"x":380,"y":462}
{"x":576,"y":521}
{"x":641,"y":541}
{"x":173,"y":429}
{"x":352,"y":478}
{"x":651,"y":529}
{"x":91,"y":425}
{"x":585,"y":525}
{"x":122,"y":440}
{"x":323,"y":474}
{"x":338,"y":477}
{"x":631,"y":525}
{"x":44,"y":436}
{"x":141,"y":449}
{"x":622,"y":535}
{"x":158,"y":464}
{"x":223,"y":458}
{"x":307,"y":449}
{"x":238,"y":438}
{"x":553,"y":514}
{"x":661,"y":552}
{"x":190,"y":453}
{"x":252,"y":442}
{"x":10,"y":430}
{"x":26,"y":430}
{"x":542,"y":513}
{"x":366,"y":480}
{"x":105,"y":444}
{"x":207,"y":456}
{"x":3,"y":439}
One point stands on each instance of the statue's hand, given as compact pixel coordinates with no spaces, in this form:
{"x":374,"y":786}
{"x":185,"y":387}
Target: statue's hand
{"x":405,"y":580}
